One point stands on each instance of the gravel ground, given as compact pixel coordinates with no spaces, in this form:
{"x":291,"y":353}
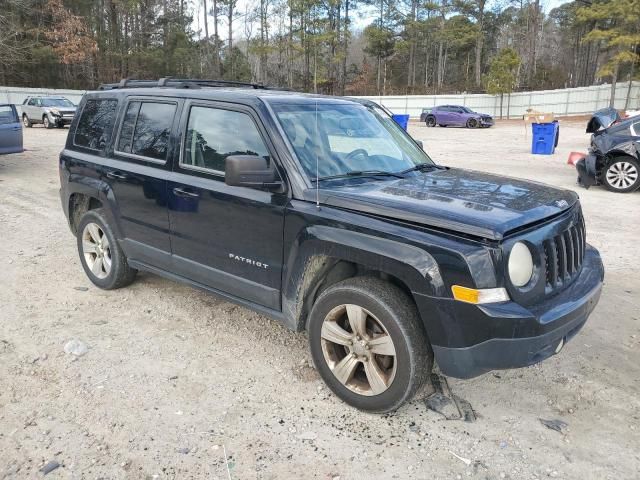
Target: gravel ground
{"x":179,"y":384}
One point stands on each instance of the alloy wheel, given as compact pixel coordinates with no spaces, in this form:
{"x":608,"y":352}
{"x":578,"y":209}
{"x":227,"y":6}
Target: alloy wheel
{"x":622,"y":175}
{"x":358,"y":350}
{"x":96,"y":250}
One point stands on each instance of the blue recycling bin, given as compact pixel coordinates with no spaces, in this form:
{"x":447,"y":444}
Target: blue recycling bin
{"x":545,"y":138}
{"x":402,"y":120}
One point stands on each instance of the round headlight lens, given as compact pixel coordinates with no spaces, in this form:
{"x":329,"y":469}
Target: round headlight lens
{"x":520,"y":264}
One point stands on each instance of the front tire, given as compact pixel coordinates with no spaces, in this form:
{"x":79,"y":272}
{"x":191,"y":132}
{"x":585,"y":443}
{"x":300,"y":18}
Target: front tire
{"x":430,"y":121}
{"x":103,"y":260}
{"x":368,"y":344}
{"x":472,"y":123}
{"x":26,"y":122}
{"x":46,"y":122}
{"x":622,"y":175}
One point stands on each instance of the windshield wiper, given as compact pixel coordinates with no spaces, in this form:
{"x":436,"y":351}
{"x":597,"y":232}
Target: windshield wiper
{"x":422,"y":167}
{"x":359,"y":173}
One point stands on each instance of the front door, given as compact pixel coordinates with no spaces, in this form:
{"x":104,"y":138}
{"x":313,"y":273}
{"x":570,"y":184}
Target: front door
{"x":227,"y":238}
{"x":10,"y":130}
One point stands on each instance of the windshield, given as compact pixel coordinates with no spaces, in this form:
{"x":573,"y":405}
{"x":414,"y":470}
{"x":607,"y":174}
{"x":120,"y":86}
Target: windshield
{"x":347,"y":138}
{"x":56,"y":102}
{"x":466,"y":110}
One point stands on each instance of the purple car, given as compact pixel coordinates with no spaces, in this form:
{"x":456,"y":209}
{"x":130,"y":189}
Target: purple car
{"x":445,"y":115}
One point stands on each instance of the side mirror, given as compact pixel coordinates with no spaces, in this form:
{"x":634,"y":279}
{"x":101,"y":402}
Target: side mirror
{"x":250,"y":171}
{"x":420,"y":144}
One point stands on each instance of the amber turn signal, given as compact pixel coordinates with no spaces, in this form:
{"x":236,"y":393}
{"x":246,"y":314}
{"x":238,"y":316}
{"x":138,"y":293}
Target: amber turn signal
{"x":479,"y":296}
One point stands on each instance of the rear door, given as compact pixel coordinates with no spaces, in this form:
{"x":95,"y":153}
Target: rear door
{"x":227,"y":238}
{"x":138,"y":176}
{"x":444,"y":116}
{"x":10,"y":130}
{"x":457,"y":116}
{"x":28,"y":108}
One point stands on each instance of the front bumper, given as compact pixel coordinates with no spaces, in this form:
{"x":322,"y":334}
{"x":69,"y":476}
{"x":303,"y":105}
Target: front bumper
{"x":513,"y":336}
{"x":60,"y":119}
{"x":486,"y":121}
{"x":587,"y":170}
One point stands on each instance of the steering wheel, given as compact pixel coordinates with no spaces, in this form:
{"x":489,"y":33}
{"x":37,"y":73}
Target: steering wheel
{"x":355,"y":153}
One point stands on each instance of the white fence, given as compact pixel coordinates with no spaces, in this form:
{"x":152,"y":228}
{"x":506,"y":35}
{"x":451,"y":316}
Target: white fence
{"x":17,"y":95}
{"x":569,"y":101}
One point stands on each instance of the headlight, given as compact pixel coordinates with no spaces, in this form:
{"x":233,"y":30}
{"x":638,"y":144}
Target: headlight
{"x":520,"y":265}
{"x":55,"y":111}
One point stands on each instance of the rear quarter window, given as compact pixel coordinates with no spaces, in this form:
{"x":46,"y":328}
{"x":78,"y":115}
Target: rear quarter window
{"x":96,"y":124}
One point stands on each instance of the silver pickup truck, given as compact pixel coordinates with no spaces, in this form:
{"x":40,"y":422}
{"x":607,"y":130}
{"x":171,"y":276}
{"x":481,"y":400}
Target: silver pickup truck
{"x":50,"y":111}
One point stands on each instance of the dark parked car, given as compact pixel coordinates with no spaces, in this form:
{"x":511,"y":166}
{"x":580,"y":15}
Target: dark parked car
{"x":455,"y":115}
{"x":324,"y":214}
{"x":10,"y":130}
{"x":614,"y":155}
{"x":50,"y":111}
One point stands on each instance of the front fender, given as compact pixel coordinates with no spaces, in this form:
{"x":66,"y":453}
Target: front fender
{"x":317,"y":248}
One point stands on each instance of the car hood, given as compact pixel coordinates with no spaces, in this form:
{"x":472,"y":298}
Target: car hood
{"x":465,"y":201}
{"x":62,"y":109}
{"x":603,"y":118}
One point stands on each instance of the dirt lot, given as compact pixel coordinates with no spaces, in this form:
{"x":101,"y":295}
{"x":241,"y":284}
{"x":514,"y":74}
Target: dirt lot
{"x":178,"y":384}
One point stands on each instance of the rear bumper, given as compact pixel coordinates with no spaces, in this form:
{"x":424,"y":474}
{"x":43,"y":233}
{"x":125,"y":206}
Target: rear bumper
{"x":519,"y":336}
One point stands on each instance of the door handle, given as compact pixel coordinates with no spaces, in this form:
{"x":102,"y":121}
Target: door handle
{"x":181,"y":192}
{"x":116,"y":176}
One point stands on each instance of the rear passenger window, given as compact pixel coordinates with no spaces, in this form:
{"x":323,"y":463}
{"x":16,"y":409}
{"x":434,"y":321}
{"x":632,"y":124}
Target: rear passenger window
{"x":146,"y":128}
{"x":213,"y":134}
{"x":96,"y":124}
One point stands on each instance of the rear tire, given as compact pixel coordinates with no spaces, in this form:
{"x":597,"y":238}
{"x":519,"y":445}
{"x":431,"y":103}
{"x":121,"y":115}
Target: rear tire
{"x":622,"y":175}
{"x":25,"y":121}
{"x":368,"y":344}
{"x":103,"y":260}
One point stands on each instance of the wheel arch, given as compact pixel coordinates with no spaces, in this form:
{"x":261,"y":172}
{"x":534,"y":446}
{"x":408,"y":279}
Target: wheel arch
{"x":327,"y":255}
{"x":87,"y":194}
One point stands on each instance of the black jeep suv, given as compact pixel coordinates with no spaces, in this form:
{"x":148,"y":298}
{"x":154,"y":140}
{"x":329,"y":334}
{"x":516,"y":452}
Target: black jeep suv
{"x":324,"y":214}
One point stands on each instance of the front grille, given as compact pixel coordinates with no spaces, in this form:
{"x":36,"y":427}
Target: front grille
{"x":564,"y":254}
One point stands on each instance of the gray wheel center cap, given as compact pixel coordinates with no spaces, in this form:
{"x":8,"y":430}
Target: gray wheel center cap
{"x":360,"y":347}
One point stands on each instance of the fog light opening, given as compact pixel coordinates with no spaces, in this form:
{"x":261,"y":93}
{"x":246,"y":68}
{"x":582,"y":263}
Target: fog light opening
{"x":560,"y":345}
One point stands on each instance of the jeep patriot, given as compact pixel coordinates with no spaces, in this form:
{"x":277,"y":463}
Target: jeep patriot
{"x":324,"y":214}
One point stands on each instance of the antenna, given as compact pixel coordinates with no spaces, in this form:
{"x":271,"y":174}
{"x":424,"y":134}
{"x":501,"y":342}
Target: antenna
{"x":317,"y":160}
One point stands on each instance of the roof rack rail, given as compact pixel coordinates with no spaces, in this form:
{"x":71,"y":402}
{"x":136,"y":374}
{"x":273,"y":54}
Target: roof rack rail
{"x":178,"y":83}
